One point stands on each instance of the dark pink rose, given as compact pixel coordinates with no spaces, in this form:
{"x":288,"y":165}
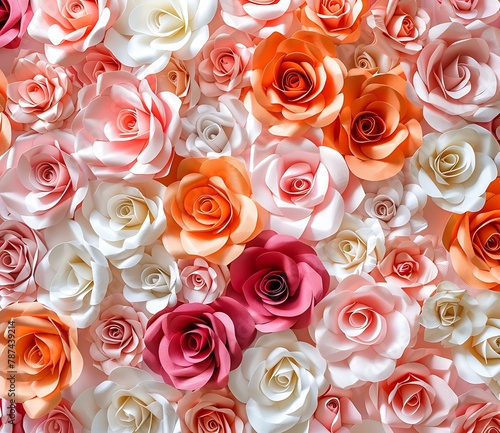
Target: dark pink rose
{"x":279,"y":280}
{"x":15,"y":15}
{"x":196,"y":345}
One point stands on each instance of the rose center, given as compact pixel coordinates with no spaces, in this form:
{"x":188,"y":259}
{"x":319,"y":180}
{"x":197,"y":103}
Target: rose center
{"x":333,"y":405}
{"x":407,"y":26}
{"x":449,"y":312}
{"x":127,"y":121}
{"x":46,"y":175}
{"x":493,"y":243}
{"x":225,"y":63}
{"x":273,"y":288}
{"x":368,"y":127}
{"x":210,"y":422}
{"x":384,"y":208}
{"x":331,"y":7}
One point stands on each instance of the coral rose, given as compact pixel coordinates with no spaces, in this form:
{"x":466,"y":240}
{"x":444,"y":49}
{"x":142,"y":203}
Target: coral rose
{"x":473,"y":240}
{"x":209,"y":210}
{"x":377,"y":127}
{"x":46,"y":358}
{"x":296,"y":83}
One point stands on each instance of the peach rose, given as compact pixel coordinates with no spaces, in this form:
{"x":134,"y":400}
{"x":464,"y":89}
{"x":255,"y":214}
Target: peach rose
{"x":5,"y":128}
{"x":209,"y":210}
{"x":340,"y":20}
{"x":45,"y":356}
{"x":296,"y":83}
{"x":473,"y":240}
{"x":377,"y":127}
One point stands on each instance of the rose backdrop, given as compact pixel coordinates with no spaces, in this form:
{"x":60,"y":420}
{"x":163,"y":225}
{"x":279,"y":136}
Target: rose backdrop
{"x":238,"y":216}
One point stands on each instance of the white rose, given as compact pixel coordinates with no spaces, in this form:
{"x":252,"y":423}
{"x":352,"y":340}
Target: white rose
{"x":130,"y":401}
{"x":154,"y":280}
{"x":280,"y":380}
{"x":456,"y":167}
{"x":149,"y":31}
{"x":73,"y":276}
{"x":356,"y":248}
{"x":120,"y":219}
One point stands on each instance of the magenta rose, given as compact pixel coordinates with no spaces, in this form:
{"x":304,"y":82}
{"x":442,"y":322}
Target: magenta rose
{"x":196,"y":345}
{"x":279,"y":280}
{"x":15,"y":15}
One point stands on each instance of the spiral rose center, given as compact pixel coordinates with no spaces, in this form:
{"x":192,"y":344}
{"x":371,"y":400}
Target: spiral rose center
{"x":451,"y":162}
{"x":210,"y":422}
{"x":493,"y":243}
{"x":333,"y":405}
{"x":127,"y":211}
{"x":331,"y":7}
{"x":115,"y":331}
{"x":58,"y":426}
{"x":132,"y":414}
{"x":407,"y":26}
{"x":37,"y":92}
{"x":273,"y":288}
{"x":384,"y":208}
{"x":365,"y":61}
{"x":362,"y":324}
{"x":156,"y":280}
{"x":368,"y":127}
{"x":168,"y":22}
{"x":46,"y":174}
{"x":225,"y":63}
{"x":127,"y":121}
{"x":465,"y":6}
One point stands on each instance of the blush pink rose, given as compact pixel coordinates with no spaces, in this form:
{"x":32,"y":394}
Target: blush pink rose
{"x":196,"y":345}
{"x":43,"y":182}
{"x":478,"y":411}
{"x":15,"y":16}
{"x":362,"y":328}
{"x":60,"y":420}
{"x":279,"y":280}
{"x":20,"y":252}
{"x":69,"y":27}
{"x":125,"y":129}
{"x":41,"y":95}
{"x":466,"y":12}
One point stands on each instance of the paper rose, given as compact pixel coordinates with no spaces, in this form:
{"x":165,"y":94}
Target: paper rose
{"x":12,"y":416}
{"x":41,"y":95}
{"x":60,"y":419}
{"x":5,"y":127}
{"x":15,"y":16}
{"x":473,"y":241}
{"x":43,"y":182}
{"x":260,"y":17}
{"x":305,"y":188}
{"x":451,"y":316}
{"x":120,"y":219}
{"x":73,"y":276}
{"x":467,"y":12}
{"x":375,"y":59}
{"x":296,"y":83}
{"x":457,"y":97}
{"x":209,"y":210}
{"x":21,"y":249}
{"x":196,"y":345}
{"x":478,"y":411}
{"x":69,"y":28}
{"x":356,"y":248}
{"x":125,"y":129}
{"x":279,"y":380}
{"x":154,"y":280}
{"x":378,"y":127}
{"x":202,"y":281}
{"x":148,"y":32}
{"x":212,"y":410}
{"x":279,"y":280}
{"x":455,"y":168}
{"x":362,"y":328}
{"x":47,"y":357}
{"x":129,"y":401}
{"x":418,"y":396}
{"x":117,"y":335}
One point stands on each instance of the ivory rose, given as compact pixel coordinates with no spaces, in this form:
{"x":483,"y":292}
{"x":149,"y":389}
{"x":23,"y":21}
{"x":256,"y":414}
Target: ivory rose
{"x":125,"y":129}
{"x":473,"y":240}
{"x":70,"y":27}
{"x":196,"y":345}
{"x":362,"y":328}
{"x":456,"y":168}
{"x":446,"y":77}
{"x":5,"y":127}
{"x":306,"y":189}
{"x":15,"y":16}
{"x":47,"y":357}
{"x":279,"y":380}
{"x":296,"y":83}
{"x":378,"y":127}
{"x":60,"y":419}
{"x":209,"y":210}
{"x":148,"y":32}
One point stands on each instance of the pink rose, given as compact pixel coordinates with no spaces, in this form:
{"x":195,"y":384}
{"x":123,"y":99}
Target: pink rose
{"x":457,"y":75}
{"x":15,"y":15}
{"x":418,"y":396}
{"x":202,"y":281}
{"x":41,"y":95}
{"x":70,"y":27}
{"x":362,"y":328}
{"x":463,"y":11}
{"x":11,"y":417}
{"x":125,"y":129}
{"x":279,"y":280}
{"x":117,"y":335}
{"x":478,"y":411}
{"x":196,"y":345}
{"x":60,"y":420}
{"x":20,"y":252}
{"x":212,"y":410}
{"x":261,"y":17}
{"x":226,"y":62}
{"x":43,"y":183}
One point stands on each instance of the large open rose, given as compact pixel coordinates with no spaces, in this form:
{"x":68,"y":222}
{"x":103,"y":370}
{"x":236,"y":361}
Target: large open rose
{"x":296,"y":83}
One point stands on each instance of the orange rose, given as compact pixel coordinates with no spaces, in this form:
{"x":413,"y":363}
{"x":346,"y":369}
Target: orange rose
{"x":473,"y":240}
{"x":209,"y":210}
{"x":377,"y":127}
{"x":5,"y":128}
{"x":296,"y":83}
{"x":38,"y":356}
